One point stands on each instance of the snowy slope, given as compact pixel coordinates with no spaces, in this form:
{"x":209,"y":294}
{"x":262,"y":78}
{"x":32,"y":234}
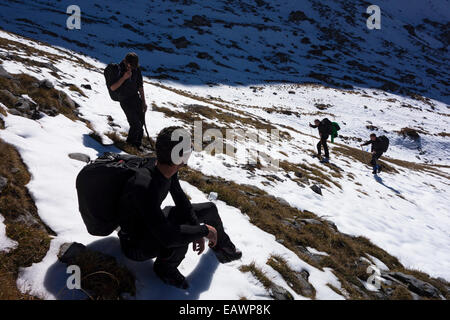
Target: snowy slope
{"x":404,"y":213}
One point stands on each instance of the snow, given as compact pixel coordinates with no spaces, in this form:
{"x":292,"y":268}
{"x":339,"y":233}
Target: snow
{"x":6,"y":244}
{"x":406,"y":214}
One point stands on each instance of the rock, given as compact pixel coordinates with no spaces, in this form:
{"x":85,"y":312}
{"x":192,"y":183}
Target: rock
{"x":68,"y":100}
{"x":283,"y":202}
{"x":204,"y":55}
{"x":86,"y":86}
{"x":311,"y":221}
{"x":181,"y":42}
{"x":80,"y":157}
{"x":298,"y":174}
{"x":24,"y":105}
{"x":306,"y":288}
{"x":291,"y":92}
{"x":200,"y":21}
{"x":68,"y":251}
{"x":26,"y":218}
{"x":47,"y":84}
{"x":12,"y":98}
{"x":296,"y":16}
{"x":193,"y":65}
{"x":3,"y":183}
{"x":316,"y":189}
{"x":279,"y":293}
{"x":15,"y":170}
{"x":415,"y":285}
{"x":4,"y":73}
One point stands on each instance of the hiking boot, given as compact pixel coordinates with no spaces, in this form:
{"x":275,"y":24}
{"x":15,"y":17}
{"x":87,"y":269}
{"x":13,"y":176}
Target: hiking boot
{"x":379,"y":168}
{"x":170,"y":276}
{"x":227,"y":254}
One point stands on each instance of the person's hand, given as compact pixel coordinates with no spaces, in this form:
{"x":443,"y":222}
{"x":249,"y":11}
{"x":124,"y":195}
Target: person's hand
{"x":212,"y":236}
{"x":127,"y":74}
{"x":199,"y":246}
{"x":373,"y":152}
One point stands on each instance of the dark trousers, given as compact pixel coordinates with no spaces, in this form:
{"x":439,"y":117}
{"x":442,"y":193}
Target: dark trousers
{"x":171,"y":257}
{"x":374,"y":159}
{"x":132,"y":107}
{"x":323,"y":142}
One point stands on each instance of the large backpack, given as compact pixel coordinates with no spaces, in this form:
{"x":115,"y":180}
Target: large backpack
{"x":112,"y":75}
{"x":384,"y":143}
{"x":99,"y":187}
{"x":328,"y":125}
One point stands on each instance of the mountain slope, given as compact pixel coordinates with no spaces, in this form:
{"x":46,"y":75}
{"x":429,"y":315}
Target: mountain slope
{"x":403,"y":212}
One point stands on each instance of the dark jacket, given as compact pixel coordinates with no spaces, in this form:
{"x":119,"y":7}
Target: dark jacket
{"x":377,"y":145}
{"x":141,"y":216}
{"x":323,"y":129}
{"x":131,"y":86}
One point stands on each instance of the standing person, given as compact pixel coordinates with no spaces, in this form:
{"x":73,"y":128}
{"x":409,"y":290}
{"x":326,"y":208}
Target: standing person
{"x":324,"y":128}
{"x":125,"y":81}
{"x":148,"y":232}
{"x":379,"y":146}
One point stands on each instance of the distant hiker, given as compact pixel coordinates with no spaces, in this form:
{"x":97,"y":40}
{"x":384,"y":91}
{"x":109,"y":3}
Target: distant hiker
{"x":325,"y":129}
{"x":379,"y":146}
{"x":125,"y":85}
{"x":148,"y":232}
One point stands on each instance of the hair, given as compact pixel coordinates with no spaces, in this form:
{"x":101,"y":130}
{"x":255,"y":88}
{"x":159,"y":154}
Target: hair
{"x":373,"y":135}
{"x":317,"y":120}
{"x":165,"y":145}
{"x":133,"y":59}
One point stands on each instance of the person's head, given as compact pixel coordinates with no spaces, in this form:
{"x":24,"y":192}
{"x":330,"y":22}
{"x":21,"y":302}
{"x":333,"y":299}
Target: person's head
{"x":132,"y":60}
{"x":317,"y":122}
{"x":373,"y":136}
{"x":173,"y":146}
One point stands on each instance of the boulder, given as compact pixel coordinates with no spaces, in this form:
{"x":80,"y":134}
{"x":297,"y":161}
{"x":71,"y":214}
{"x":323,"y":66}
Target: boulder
{"x":415,"y":285}
{"x":80,"y":157}
{"x":181,"y":42}
{"x":200,"y":21}
{"x":279,"y":293}
{"x":4,"y":73}
{"x":86,"y":86}
{"x":316,"y":189}
{"x":47,"y":84}
{"x":3,"y":183}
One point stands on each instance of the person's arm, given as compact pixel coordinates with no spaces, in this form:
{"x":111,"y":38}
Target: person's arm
{"x":146,"y":206}
{"x":313,"y":126}
{"x":366,"y":143}
{"x":122,"y":79}
{"x":181,"y":200}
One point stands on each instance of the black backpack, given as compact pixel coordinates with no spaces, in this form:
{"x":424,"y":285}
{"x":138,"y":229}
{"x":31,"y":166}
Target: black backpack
{"x":112,"y":75}
{"x":328,"y":125}
{"x":99,"y":187}
{"x":384,"y":143}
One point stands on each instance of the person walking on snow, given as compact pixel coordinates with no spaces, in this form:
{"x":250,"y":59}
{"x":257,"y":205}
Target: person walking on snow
{"x":324,"y":128}
{"x":379,"y":146}
{"x":129,"y":86}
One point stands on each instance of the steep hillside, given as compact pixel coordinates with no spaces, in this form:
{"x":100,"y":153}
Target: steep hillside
{"x":275,"y":68}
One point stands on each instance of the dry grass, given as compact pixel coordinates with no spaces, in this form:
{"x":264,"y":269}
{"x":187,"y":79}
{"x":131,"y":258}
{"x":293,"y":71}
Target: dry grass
{"x":269,"y":214}
{"x":32,"y":237}
{"x":289,"y":275}
{"x":258,"y":274}
{"x":50,"y":101}
{"x":103,"y":278}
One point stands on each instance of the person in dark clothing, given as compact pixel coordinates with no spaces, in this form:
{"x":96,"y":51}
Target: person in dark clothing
{"x":148,"y":232}
{"x":323,"y":133}
{"x":130,"y":87}
{"x":377,"y":151}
